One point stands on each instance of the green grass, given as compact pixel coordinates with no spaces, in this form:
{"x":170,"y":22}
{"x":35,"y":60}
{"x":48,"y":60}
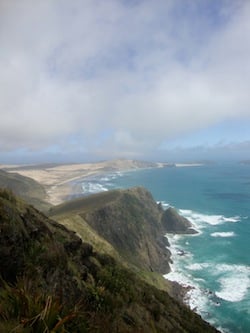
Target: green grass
{"x":84,"y":230}
{"x":26,"y":308}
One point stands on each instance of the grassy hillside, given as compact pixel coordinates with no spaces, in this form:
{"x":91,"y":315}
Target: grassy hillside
{"x":126,"y":224}
{"x":52,"y":281}
{"x":26,"y":188}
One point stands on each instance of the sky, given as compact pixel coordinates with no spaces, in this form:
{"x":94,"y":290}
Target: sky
{"x":86,"y":80}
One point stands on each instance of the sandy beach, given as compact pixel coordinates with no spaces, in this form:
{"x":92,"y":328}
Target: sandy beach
{"x":61,"y":181}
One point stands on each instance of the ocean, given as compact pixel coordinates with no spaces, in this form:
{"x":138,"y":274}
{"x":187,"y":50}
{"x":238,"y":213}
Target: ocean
{"x":216,"y":261}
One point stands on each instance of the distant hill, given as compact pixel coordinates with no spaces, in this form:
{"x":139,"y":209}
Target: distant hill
{"x":26,"y":188}
{"x":53,"y":281}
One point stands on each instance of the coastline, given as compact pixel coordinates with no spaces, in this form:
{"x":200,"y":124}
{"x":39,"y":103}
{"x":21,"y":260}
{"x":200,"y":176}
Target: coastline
{"x":61,"y":182}
{"x":216,"y":223}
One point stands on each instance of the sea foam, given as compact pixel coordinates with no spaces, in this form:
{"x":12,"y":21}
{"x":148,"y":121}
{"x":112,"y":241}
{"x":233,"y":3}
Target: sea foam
{"x":196,"y":297}
{"x":197,"y":266}
{"x":200,"y":220}
{"x":234,"y":282}
{"x":92,"y":187}
{"x":223,"y":234}
{"x":231,"y":282}
{"x":164,"y":204}
{"x":100,"y":183}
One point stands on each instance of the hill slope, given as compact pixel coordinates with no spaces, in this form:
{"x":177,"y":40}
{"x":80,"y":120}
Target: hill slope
{"x":26,"y":188}
{"x":53,"y":281}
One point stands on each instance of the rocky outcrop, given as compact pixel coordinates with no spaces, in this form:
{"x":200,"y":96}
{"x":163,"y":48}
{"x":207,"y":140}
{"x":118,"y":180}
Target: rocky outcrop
{"x":174,"y":223}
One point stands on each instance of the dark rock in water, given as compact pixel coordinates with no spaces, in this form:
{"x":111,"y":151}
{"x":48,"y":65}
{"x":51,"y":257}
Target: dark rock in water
{"x":175,"y":223}
{"x":181,"y":252}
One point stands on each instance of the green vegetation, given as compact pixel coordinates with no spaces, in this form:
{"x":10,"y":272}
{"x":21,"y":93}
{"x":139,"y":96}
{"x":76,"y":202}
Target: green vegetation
{"x":27,"y":309}
{"x":52,"y":281}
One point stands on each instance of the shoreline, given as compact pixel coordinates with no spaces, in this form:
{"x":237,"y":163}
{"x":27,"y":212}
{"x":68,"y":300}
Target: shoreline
{"x":59,"y":181}
{"x":59,"y":193}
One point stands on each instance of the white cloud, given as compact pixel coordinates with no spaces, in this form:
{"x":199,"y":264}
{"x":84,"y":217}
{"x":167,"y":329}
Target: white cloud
{"x":146,"y":72}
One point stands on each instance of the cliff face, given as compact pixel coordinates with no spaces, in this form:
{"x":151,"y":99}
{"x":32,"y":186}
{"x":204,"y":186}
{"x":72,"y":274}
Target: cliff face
{"x":131,"y":221}
{"x":53,"y":281}
{"x":132,"y":225}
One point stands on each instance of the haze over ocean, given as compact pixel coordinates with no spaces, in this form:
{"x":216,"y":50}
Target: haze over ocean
{"x":215,"y":198}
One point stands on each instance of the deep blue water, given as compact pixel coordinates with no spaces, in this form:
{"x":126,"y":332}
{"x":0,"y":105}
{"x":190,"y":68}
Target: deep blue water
{"x":216,"y":199}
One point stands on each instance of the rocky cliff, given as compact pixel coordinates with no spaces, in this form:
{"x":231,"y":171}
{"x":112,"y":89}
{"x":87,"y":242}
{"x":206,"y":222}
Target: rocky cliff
{"x":129,"y":220}
{"x":130,"y":226}
{"x":176,"y":224}
{"x":52,"y":281}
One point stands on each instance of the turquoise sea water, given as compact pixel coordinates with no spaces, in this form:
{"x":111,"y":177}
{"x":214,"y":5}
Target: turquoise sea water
{"x":216,"y":199}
